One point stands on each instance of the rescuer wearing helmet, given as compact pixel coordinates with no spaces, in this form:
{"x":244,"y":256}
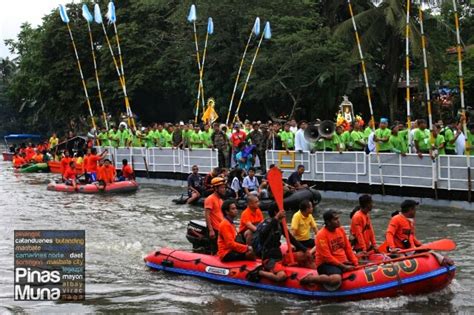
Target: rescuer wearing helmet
{"x":212,"y":210}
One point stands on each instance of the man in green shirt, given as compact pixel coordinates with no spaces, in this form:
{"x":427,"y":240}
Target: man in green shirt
{"x":338,"y":142}
{"x":136,"y":138}
{"x":287,"y":138}
{"x":206,"y":137}
{"x":357,"y":136}
{"x":167,"y":136}
{"x":382,"y":136}
{"x":398,"y":140}
{"x":449,"y":138}
{"x":149,"y":136}
{"x":421,"y":138}
{"x":113,"y":138}
{"x":158,"y":136}
{"x":103,"y":137}
{"x":470,"y":140}
{"x":195,"y":138}
{"x":346,"y":138}
{"x":438,"y":143}
{"x":123,"y":135}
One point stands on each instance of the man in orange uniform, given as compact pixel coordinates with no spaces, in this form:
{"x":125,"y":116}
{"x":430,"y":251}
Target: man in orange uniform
{"x":91,"y":160}
{"x":127,"y":172}
{"x":228,"y":248}
{"x":107,"y":172}
{"x":29,"y":152}
{"x":38,"y":157}
{"x":401,"y":229}
{"x":18,"y":160}
{"x":69,"y":175}
{"x":250,"y":218}
{"x":212,"y":210}
{"x":362,"y":230}
{"x":333,"y":251}
{"x":65,"y":162}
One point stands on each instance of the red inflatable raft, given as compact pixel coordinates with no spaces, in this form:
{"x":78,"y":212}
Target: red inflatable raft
{"x":417,"y":274}
{"x":55,"y":167}
{"x":117,"y":187}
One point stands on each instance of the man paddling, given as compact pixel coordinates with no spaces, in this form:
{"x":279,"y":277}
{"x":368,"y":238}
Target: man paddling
{"x":212,"y":210}
{"x":401,"y":229}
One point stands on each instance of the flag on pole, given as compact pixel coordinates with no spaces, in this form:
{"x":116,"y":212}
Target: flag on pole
{"x":87,"y":14}
{"x":267,"y":33}
{"x":210,"y":26}
{"x":192,"y":14}
{"x":111,"y":13}
{"x":256,"y":27}
{"x":63,"y":14}
{"x":97,"y":14}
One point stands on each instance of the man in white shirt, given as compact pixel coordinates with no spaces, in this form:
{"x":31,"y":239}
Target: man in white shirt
{"x":250,"y":183}
{"x":300,"y":142}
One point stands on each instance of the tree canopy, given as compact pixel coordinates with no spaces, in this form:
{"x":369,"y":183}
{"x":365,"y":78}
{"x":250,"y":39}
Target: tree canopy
{"x":303,"y":71}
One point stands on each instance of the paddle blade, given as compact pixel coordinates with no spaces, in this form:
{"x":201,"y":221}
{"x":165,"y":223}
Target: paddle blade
{"x":63,"y":14}
{"x":441,"y":245}
{"x":192,"y":14}
{"x":275,"y":181}
{"x":256,"y":26}
{"x":86,"y":13}
{"x":97,"y":14}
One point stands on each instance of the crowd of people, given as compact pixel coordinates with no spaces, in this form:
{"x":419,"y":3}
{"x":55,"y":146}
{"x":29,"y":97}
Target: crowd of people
{"x":330,"y":251}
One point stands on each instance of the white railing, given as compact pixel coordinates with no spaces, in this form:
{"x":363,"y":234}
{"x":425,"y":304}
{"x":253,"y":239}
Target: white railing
{"x":447,"y":172}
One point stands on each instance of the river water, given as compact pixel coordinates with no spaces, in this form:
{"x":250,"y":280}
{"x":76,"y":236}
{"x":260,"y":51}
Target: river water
{"x":120,"y":230}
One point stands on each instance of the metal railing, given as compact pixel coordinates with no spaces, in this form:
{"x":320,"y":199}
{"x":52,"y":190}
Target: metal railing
{"x":446,"y":172}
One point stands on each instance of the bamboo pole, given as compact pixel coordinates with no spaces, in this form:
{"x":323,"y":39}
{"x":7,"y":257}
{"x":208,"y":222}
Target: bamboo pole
{"x":463,"y":106}
{"x":251,"y":68}
{"x":407,"y":71}
{"x":367,"y":89}
{"x":254,"y":31}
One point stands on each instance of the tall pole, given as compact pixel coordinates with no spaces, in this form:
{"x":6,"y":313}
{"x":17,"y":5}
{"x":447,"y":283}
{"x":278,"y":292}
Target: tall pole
{"x":463,"y":106}
{"x":112,"y":19}
{"x":65,"y":18}
{"x":88,"y":17}
{"x":407,"y":73}
{"x":367,"y":89}
{"x":267,"y":35}
{"x":256,"y":31}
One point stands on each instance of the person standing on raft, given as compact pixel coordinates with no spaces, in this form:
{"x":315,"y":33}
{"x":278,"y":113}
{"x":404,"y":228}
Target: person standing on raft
{"x":362,"y":231}
{"x":401,"y":228}
{"x":213,"y":210}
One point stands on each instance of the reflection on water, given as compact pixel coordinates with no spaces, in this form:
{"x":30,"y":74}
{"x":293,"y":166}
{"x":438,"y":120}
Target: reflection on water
{"x":120,"y":230}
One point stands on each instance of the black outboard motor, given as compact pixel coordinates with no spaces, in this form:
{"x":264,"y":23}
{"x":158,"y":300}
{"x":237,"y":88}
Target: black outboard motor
{"x":198,"y":235}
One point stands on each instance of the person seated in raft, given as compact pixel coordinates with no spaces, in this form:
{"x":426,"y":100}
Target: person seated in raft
{"x":18,"y":160}
{"x":228,"y":248}
{"x":266,"y":244}
{"x":250,"y":218}
{"x":250,"y":184}
{"x":302,"y":223}
{"x":295,"y":179}
{"x":70,"y":175}
{"x":38,"y":157}
{"x":334,"y":254}
{"x":127,"y":172}
{"x":107,"y":173}
{"x":401,"y":229}
{"x":362,"y":232}
{"x":213,"y":210}
{"x":194,"y":185}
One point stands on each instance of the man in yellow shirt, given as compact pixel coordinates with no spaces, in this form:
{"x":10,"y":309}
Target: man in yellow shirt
{"x":302,"y":223}
{"x":53,"y":141}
